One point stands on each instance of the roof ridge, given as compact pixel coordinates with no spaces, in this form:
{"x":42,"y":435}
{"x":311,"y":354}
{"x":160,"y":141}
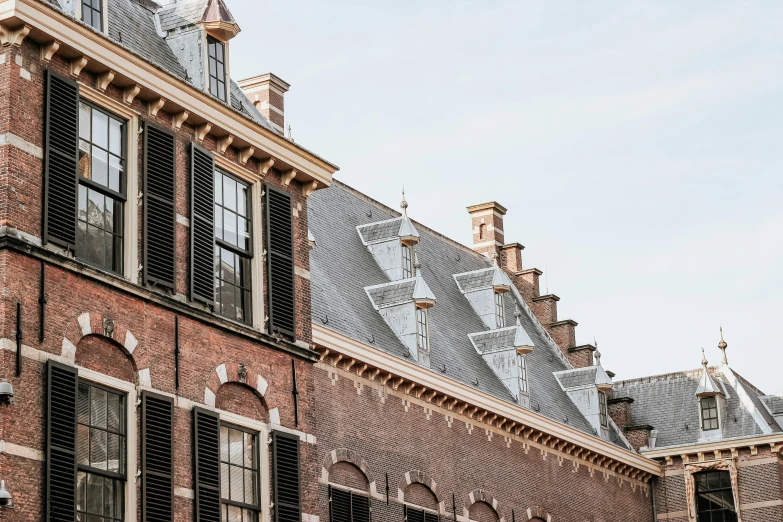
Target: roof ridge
{"x":663,"y":376}
{"x":398,"y":214}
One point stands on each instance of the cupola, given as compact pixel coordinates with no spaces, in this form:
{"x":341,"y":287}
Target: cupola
{"x":707,"y":385}
{"x":500,"y":281}
{"x":602,"y":380}
{"x":422,"y":295}
{"x":522,"y":342}
{"x":407,"y":232}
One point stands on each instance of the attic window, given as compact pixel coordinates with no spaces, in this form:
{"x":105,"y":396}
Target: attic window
{"x":422,"y":330}
{"x":602,"y":409}
{"x":709,"y":413}
{"x":217,"y":68}
{"x":407,"y":264}
{"x":92,"y":13}
{"x":522,"y":362}
{"x":500,"y":320}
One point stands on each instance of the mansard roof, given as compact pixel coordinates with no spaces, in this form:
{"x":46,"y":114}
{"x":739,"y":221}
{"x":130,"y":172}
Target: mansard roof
{"x":668,"y":403}
{"x":341,"y":267}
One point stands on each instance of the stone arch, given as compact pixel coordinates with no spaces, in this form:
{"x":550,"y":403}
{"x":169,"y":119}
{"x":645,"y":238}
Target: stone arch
{"x":537,"y":513}
{"x":238,"y":373}
{"x":419,"y":477}
{"x":481,"y":496}
{"x":95,"y":323}
{"x":347,"y":456}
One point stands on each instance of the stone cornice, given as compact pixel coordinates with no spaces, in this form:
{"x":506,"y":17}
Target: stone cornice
{"x":76,"y":41}
{"x":350,"y":355}
{"x":774,"y":441}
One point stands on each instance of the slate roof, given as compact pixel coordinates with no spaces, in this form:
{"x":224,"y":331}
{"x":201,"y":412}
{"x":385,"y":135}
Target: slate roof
{"x":181,"y":14}
{"x":774,"y":403}
{"x":341,"y":266}
{"x":475,"y":280}
{"x":392,"y":293}
{"x":494,"y":339}
{"x":669,"y":404}
{"x":132,"y":26}
{"x":381,"y":230}
{"x":578,"y":377}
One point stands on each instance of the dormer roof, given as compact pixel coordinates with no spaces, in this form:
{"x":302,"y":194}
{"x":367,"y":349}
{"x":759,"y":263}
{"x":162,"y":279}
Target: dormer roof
{"x":218,"y":21}
{"x":422,"y":295}
{"x":391,"y":294}
{"x":602,"y":379}
{"x":380,"y":230}
{"x":212,"y":14}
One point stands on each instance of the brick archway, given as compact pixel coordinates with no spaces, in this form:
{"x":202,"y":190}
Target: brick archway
{"x":95,"y":323}
{"x":419,"y":477}
{"x":349,"y":456}
{"x":480,"y":495}
{"x":538,"y":513}
{"x":237,"y":373}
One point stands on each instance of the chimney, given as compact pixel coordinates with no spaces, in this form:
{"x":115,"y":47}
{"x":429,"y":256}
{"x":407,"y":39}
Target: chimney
{"x":620,"y":410}
{"x":266,"y":92}
{"x":487,"y":223}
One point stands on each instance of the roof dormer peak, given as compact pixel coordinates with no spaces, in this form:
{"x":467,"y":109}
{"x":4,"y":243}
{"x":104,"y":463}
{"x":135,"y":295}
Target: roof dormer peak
{"x":408,"y":234}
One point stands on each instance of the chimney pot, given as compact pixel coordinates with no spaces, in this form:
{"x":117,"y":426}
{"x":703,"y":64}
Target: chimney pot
{"x":266,"y":92}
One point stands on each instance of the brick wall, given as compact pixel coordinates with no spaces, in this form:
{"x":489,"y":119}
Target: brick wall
{"x":395,"y":433}
{"x":141,"y":318}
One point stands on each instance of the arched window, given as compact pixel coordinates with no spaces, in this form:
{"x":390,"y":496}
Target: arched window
{"x":482,"y":231}
{"x":349,"y":499}
{"x":482,"y":512}
{"x":421,"y":504}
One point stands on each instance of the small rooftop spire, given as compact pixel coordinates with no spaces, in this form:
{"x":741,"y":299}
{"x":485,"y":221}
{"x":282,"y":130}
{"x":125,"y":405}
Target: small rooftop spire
{"x":417,"y":265}
{"x":422,"y":295}
{"x":404,"y":204}
{"x":602,"y":379}
{"x":707,"y":385}
{"x":723,"y":345}
{"x":408,"y":234}
{"x":522,"y":341}
{"x":703,"y":359}
{"x":597,"y":356}
{"x":495,"y":258}
{"x":518,"y":315}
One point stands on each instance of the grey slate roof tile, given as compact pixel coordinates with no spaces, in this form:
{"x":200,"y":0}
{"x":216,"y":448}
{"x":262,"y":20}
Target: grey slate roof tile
{"x":379,"y":231}
{"x":774,"y":403}
{"x":474,"y":280}
{"x":494,"y":339}
{"x":341,"y":267}
{"x":577,"y":377}
{"x":392,"y":293}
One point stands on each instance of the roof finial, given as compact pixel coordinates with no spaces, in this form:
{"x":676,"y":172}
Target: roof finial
{"x":404,"y":203}
{"x":518,"y":315}
{"x":495,"y":258}
{"x":417,"y":265}
{"x":723,"y":345}
{"x":597,"y":356}
{"x":703,"y":360}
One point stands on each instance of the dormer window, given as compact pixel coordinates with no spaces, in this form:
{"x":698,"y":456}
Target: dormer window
{"x":92,"y":13}
{"x":709,"y":413}
{"x":407,"y":262}
{"x":602,"y":409}
{"x":522,"y":363}
{"x":500,"y":320}
{"x":422,"y":330}
{"x":217,"y":68}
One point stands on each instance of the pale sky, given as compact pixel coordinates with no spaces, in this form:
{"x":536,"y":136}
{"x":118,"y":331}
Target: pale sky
{"x":637,"y":145}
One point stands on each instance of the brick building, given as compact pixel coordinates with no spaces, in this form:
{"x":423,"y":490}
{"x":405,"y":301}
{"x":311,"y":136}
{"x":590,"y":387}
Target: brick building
{"x":200,"y":324}
{"x":449,"y":385}
{"x":154,"y":266}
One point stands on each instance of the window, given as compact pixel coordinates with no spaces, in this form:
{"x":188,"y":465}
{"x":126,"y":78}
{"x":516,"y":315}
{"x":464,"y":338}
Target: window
{"x":407,"y":267}
{"x":217,"y":68}
{"x":102,"y":157}
{"x":233,"y":247}
{"x":239,"y":485}
{"x":92,"y":13}
{"x":602,"y":409}
{"x":100,"y":454}
{"x":419,"y":515}
{"x":709,"y":413}
{"x":346,"y":506}
{"x":500,"y":319}
{"x":522,"y":362}
{"x":714,"y":497}
{"x":422,"y":330}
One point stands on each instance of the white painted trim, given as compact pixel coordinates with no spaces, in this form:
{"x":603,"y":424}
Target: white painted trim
{"x":371,"y":355}
{"x":487,"y":243}
{"x":725,"y":444}
{"x":301,"y":272}
{"x":21,"y":451}
{"x":257,"y":264}
{"x":757,"y":505}
{"x":744,"y":397}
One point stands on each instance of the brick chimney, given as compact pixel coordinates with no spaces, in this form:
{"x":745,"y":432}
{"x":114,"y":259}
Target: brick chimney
{"x":487,"y":223}
{"x":266,"y":92}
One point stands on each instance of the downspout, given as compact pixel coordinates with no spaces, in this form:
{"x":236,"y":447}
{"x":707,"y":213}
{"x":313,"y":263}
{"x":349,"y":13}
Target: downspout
{"x":652,"y":498}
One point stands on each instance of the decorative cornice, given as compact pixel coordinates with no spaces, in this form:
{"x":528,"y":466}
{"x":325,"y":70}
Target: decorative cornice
{"x":336,"y":349}
{"x":774,"y":441}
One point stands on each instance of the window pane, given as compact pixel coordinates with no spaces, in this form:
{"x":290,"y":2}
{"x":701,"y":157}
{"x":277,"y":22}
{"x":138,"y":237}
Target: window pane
{"x":81,"y":490}
{"x":229,"y":193}
{"x":219,"y":51}
{"x":115,"y":173}
{"x":100,"y":166}
{"x":108,"y":498}
{"x":212,"y":68}
{"x":236,"y":448}
{"x":237,"y":484}
{"x":83,"y":445}
{"x":234,"y":514}
{"x":115,"y":137}
{"x":94,"y":494}
{"x":85,"y":120}
{"x":224,"y":480}
{"x":100,"y":129}
{"x":98,"y":408}
{"x":98,"y":448}
{"x":241,"y":199}
{"x":249,"y":451}
{"x":211,"y":48}
{"x":114,"y":453}
{"x":87,"y":15}
{"x":115,"y":412}
{"x":250,"y":497}
{"x":230,"y":227}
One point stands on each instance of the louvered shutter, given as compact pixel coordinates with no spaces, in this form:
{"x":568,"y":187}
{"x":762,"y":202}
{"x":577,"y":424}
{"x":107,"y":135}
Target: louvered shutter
{"x":414,"y":515}
{"x":280,"y":261}
{"x":159,"y":212}
{"x":157,"y":459}
{"x":61,"y":160}
{"x":339,"y":505}
{"x":431,"y":517}
{"x":62,"y":383}
{"x":360,"y":508}
{"x":206,"y":464}
{"x":202,"y":225}
{"x":285,"y":469}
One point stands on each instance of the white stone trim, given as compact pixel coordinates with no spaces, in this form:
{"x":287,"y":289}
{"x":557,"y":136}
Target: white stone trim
{"x":301,"y":272}
{"x":25,"y":452}
{"x":221,"y":373}
{"x":184,"y":492}
{"x":25,"y":146}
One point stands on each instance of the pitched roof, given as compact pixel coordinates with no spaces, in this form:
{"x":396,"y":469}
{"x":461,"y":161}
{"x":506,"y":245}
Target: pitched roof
{"x":341,"y":267}
{"x":669,"y":404}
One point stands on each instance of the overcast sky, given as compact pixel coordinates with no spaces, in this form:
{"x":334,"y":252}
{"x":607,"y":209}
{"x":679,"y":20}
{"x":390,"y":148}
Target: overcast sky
{"x":637,"y":145}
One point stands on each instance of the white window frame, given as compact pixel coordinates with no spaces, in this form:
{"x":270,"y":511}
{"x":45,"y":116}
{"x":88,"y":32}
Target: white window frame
{"x":407,"y":267}
{"x":78,"y":14}
{"x":226,"y":64}
{"x":522,"y":371}
{"x":130,"y":243}
{"x":717,"y":414}
{"x":500,"y":317}
{"x":426,"y":334}
{"x":131,"y":441}
{"x":603,"y":410}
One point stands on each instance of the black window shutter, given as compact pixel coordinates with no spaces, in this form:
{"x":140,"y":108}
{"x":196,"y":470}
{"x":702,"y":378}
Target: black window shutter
{"x":285,"y":473}
{"x":339,"y":505}
{"x":414,"y":515}
{"x":202,"y":225}
{"x":160,"y":216}
{"x":206,"y":464}
{"x":360,"y":508}
{"x":61,"y":160}
{"x":157,"y":459}
{"x":431,"y":517}
{"x":62,"y":383}
{"x":280,"y":261}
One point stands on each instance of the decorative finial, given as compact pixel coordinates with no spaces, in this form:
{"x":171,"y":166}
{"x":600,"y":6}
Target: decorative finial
{"x":703,"y":359}
{"x":416,"y":264}
{"x":495,"y":258}
{"x":404,"y":204}
{"x":597,"y":356}
{"x":723,"y":345}
{"x":518,"y":315}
